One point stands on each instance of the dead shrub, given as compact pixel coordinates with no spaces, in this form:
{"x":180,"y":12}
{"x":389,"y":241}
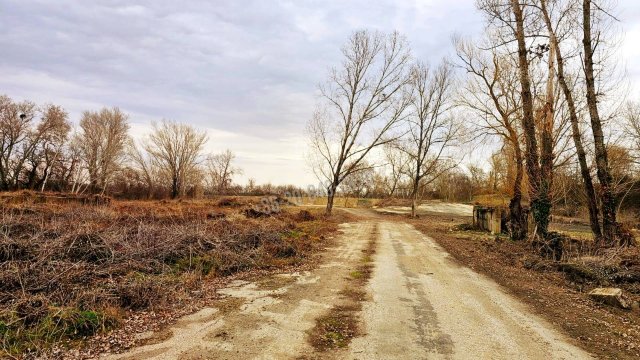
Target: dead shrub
{"x":259,"y":212}
{"x":31,"y":309}
{"x":230,"y":202}
{"x":11,"y":249}
{"x":304,"y":215}
{"x":87,"y":247}
{"x":141,"y":292}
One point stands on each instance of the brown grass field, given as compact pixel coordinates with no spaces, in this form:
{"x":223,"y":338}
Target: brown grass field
{"x":69,"y":270}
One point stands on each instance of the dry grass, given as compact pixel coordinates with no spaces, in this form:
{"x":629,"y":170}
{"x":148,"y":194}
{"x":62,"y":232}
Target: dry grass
{"x":68,"y":271}
{"x":491,"y":200}
{"x":347,"y":202}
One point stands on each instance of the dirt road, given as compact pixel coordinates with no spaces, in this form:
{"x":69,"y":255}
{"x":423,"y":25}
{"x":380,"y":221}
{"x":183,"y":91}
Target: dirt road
{"x":425,"y":306}
{"x":421,"y":305}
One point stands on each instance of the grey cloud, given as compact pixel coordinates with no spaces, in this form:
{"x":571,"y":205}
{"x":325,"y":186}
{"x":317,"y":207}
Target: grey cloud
{"x":247,"y":67}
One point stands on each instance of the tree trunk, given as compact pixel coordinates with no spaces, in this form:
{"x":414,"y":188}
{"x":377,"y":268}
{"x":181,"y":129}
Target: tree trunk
{"x":546,"y":158}
{"x":589,"y":190}
{"x":540,"y":203}
{"x":174,"y":188}
{"x":331,"y":192}
{"x":414,"y":198}
{"x":607,"y":198}
{"x":517,"y":218}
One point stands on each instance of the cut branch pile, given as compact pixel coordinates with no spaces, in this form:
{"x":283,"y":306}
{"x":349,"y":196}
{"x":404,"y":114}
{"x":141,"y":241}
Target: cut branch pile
{"x":68,"y":270}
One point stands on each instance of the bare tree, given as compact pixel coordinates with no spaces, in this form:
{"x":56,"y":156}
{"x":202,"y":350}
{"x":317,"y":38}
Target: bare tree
{"x":363,"y":101}
{"x":609,"y":222}
{"x":431,"y":128}
{"x":398,"y":162}
{"x":250,"y":188}
{"x":102,"y":142}
{"x":632,"y":127}
{"x":589,"y":189}
{"x":539,"y":187}
{"x":24,"y":141}
{"x":50,"y":151}
{"x":16,"y":124}
{"x":490,"y":93}
{"x":358,"y":184}
{"x":142,"y":162}
{"x":220,"y":171}
{"x":176,"y":150}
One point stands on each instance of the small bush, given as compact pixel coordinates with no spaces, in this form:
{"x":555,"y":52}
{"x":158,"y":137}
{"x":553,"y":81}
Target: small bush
{"x":203,"y":264}
{"x":141,"y":292}
{"x":304,"y":215}
{"x":230,"y":202}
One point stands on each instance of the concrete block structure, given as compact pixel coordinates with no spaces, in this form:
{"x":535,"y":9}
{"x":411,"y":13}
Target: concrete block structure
{"x":489,"y":218}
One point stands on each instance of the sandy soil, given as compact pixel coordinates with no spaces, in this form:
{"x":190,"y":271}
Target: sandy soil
{"x":266,"y":319}
{"x":425,"y":306}
{"x":422,"y":305}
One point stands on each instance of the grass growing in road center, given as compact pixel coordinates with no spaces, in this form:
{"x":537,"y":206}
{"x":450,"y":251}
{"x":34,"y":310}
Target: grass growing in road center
{"x":340,"y":325}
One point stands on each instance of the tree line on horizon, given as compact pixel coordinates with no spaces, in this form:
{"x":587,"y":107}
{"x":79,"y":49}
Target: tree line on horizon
{"x":40,"y":150}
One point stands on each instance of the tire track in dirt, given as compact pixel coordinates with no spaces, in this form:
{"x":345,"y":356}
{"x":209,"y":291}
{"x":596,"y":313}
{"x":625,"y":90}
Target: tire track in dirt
{"x":426,"y":306}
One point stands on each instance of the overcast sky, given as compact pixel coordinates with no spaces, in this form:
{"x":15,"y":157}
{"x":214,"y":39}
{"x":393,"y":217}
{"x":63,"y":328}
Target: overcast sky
{"x":246,"y":71}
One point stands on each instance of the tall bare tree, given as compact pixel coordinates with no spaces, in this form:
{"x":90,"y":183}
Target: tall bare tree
{"x":102,"y":142}
{"x":363,"y":101}
{"x":176,"y":149}
{"x":431,"y":127}
{"x":491,"y":94}
{"x":608,"y":200}
{"x":589,"y":189}
{"x":539,"y":188}
{"x":23,"y":139}
{"x":48,"y":152}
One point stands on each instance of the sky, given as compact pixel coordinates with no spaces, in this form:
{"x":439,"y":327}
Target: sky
{"x":247,"y":72}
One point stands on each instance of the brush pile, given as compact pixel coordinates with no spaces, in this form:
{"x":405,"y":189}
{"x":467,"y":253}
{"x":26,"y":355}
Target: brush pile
{"x":68,"y":271}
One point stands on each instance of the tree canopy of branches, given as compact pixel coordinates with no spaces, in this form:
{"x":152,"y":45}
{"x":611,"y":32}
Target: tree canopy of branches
{"x":102,"y":143}
{"x":176,"y":150}
{"x":220,"y":171}
{"x":363,"y":101}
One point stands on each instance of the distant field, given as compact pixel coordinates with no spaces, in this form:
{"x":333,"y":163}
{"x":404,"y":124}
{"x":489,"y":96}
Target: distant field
{"x":348,"y":202}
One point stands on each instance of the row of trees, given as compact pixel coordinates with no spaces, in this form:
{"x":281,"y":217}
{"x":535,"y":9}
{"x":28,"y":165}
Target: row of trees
{"x":561,"y":89}
{"x":380,"y":97}
{"x":538,"y":79}
{"x":40,"y":150}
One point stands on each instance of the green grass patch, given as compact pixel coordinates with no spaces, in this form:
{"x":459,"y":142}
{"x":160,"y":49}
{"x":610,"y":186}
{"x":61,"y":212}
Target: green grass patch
{"x":55,"y":325}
